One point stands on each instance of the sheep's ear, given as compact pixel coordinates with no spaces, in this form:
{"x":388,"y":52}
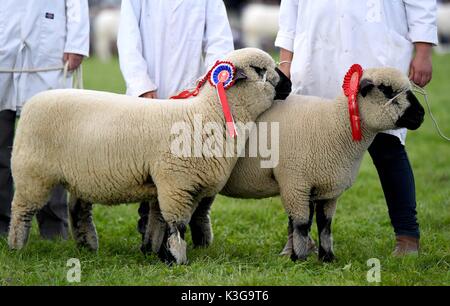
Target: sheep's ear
{"x":365,"y":86}
{"x":240,"y":75}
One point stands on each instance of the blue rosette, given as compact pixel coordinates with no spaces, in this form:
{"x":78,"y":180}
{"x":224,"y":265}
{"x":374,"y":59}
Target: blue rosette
{"x":222,"y":72}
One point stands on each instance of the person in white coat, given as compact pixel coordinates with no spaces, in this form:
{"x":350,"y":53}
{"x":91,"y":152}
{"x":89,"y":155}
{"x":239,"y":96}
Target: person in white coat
{"x":165,"y":46}
{"x":36,"y":39}
{"x":320,"y":40}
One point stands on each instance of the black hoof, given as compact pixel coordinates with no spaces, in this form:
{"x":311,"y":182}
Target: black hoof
{"x":146,"y":248}
{"x":86,"y":246}
{"x":201,"y":237}
{"x":200,"y":242}
{"x":294,"y":257}
{"x":327,"y":257}
{"x":173,"y":247}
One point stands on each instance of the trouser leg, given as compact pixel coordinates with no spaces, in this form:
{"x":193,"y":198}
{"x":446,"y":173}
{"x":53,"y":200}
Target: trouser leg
{"x":7,"y":124}
{"x":52,"y":219}
{"x":397,"y":181}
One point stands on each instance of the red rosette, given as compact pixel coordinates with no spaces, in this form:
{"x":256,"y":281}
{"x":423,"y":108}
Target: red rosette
{"x":351,"y":89}
{"x":222,"y":69}
{"x":221,"y":77}
{"x":351,"y":80}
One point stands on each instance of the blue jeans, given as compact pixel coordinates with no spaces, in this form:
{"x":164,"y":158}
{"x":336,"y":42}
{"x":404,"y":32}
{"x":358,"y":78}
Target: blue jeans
{"x":397,"y":180}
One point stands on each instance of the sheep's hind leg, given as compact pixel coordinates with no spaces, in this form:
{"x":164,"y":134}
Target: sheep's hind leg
{"x":28,"y":199}
{"x":155,"y":229}
{"x":20,"y":225}
{"x":324,"y":215}
{"x":144,"y":212}
{"x":83,"y":227}
{"x":200,"y":224}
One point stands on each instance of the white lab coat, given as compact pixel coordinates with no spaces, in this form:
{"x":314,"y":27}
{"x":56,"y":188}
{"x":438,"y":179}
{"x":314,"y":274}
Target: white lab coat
{"x":166,"y":45}
{"x":35,"y":35}
{"x":328,"y":36}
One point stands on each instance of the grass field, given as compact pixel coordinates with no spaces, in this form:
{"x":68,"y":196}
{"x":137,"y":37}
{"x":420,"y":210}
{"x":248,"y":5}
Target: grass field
{"x":250,"y":234}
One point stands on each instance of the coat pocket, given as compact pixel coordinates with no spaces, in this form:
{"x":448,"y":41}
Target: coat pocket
{"x":52,"y":36}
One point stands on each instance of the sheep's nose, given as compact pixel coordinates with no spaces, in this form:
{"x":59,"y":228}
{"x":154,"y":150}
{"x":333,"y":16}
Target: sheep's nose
{"x":284,"y":86}
{"x":414,"y":115}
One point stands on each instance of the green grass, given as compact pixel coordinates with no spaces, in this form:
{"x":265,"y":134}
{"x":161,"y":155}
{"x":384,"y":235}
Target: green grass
{"x":250,"y":234}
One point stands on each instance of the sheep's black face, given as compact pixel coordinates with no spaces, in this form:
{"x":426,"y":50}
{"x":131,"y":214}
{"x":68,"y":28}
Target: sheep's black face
{"x":284,"y":86}
{"x":254,"y":95}
{"x":387,"y":102}
{"x":413,"y":116}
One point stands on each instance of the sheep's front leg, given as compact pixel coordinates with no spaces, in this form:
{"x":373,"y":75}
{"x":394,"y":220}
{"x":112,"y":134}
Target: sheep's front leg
{"x":300,"y":209}
{"x":200,"y":224}
{"x":177,"y":205}
{"x":300,"y":238}
{"x":324,"y":215}
{"x":173,"y":248}
{"x":287,"y":250}
{"x":82,"y":224}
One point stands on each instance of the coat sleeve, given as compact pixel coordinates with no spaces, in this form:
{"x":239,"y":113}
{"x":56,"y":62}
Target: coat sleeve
{"x":218,"y":39}
{"x":287,"y":24}
{"x":422,"y":20}
{"x":77,"y":38}
{"x":129,"y":44}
